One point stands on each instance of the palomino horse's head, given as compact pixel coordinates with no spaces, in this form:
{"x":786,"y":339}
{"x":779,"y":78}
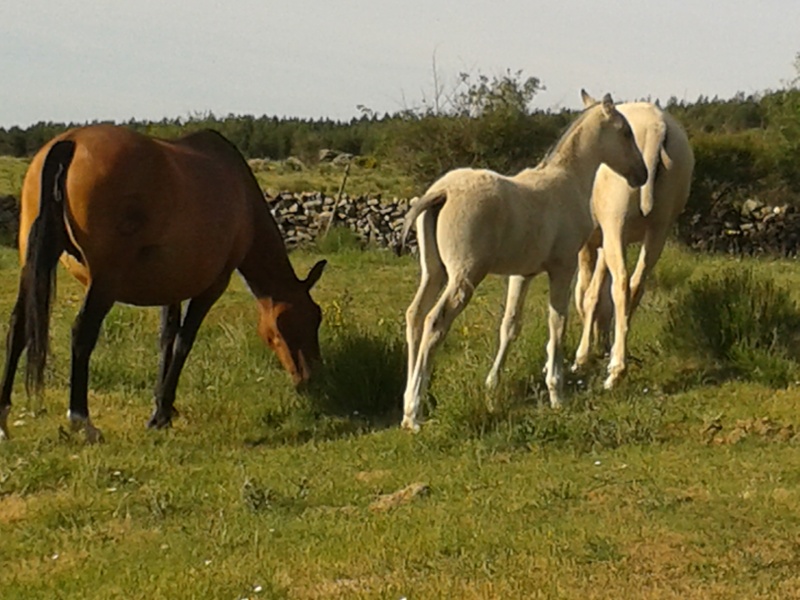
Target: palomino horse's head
{"x":290,"y":327}
{"x":619,"y":150}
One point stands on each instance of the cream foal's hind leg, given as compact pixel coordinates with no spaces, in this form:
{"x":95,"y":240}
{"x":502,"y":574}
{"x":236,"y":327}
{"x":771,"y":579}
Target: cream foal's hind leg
{"x":437,"y":323}
{"x":432,"y":279}
{"x":512,"y":322}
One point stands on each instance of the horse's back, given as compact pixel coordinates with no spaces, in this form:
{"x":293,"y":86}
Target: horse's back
{"x":494,"y":221}
{"x":156,"y":220}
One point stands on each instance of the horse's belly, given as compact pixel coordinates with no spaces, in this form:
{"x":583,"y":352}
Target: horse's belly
{"x":157,"y":275}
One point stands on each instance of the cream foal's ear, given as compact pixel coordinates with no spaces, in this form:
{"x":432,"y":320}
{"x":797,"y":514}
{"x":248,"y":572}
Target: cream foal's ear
{"x":608,"y":105}
{"x":587,"y":99}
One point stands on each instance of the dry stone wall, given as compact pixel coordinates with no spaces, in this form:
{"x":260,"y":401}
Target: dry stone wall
{"x":750,"y":229}
{"x":378,"y":222}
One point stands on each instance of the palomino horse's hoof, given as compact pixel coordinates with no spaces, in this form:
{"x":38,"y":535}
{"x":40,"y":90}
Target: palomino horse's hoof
{"x":614,"y":375}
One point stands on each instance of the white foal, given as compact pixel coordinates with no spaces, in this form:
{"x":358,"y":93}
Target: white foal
{"x":473,"y":222}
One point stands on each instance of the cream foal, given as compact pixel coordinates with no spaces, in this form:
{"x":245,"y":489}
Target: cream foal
{"x":471,"y":223}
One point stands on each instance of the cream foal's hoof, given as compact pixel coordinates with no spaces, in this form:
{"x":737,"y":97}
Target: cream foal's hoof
{"x":614,"y":375}
{"x":410,"y":424}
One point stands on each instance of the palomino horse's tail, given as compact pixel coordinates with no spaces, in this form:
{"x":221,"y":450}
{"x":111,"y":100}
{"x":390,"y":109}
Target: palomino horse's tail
{"x":429,"y":200}
{"x":653,"y":151}
{"x":46,"y":241}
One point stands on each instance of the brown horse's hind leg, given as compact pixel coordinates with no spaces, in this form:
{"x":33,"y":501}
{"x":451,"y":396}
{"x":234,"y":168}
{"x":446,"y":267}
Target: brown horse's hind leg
{"x":15,"y":344}
{"x":195,"y":313}
{"x":85,"y":330}
{"x":170,"y":324}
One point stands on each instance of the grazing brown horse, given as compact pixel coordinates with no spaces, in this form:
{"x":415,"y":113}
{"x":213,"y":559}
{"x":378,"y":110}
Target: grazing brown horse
{"x":149,"y":222}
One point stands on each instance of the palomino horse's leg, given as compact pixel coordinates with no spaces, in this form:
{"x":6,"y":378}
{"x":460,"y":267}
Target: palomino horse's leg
{"x":437,"y":323}
{"x":591,"y":299}
{"x":170,"y":323}
{"x":432,"y":280}
{"x":587,"y":259}
{"x":559,"y":305}
{"x":512,"y":323}
{"x":652,"y":246}
{"x":614,"y":251}
{"x":85,"y":330}
{"x":15,"y":344}
{"x":195,"y":313}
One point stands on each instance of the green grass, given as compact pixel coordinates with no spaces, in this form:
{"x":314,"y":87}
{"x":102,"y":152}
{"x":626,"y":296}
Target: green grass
{"x":368,"y":179}
{"x":276,"y":176}
{"x":662,"y":488}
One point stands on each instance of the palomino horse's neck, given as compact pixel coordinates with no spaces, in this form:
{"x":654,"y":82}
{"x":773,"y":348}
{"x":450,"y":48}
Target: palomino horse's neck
{"x":266,"y":267}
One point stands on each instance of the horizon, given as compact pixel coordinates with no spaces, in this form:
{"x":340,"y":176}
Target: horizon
{"x":153,"y":60}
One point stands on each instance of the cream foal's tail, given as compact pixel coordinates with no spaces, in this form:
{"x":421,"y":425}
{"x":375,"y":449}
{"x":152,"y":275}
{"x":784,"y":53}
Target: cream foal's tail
{"x":653,"y":151}
{"x":429,"y":200}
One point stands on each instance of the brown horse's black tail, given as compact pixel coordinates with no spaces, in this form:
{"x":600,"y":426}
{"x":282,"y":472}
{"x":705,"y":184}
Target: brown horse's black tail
{"x":46,"y":242}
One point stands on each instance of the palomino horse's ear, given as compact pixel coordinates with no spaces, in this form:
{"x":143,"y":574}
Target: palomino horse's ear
{"x":587,"y":99}
{"x":608,"y":105}
{"x":315,"y":273}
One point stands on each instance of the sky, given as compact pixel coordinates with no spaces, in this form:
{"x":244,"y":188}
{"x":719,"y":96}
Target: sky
{"x":87,"y":60}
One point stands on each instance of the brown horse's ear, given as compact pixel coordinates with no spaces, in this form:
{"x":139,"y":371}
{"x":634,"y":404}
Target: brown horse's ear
{"x":587,"y":99}
{"x":608,"y":105}
{"x":315,"y":273}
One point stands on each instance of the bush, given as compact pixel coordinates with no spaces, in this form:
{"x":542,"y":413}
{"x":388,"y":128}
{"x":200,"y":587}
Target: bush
{"x":743,"y":321}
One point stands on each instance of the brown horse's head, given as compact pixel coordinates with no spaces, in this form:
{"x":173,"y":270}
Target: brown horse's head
{"x":291,"y":327}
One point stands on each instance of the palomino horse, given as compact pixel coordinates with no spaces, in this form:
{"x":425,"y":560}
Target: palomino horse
{"x":152,"y":223}
{"x":471,"y":223}
{"x":624,"y":215}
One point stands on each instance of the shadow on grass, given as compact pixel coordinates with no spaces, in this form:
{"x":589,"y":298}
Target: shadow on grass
{"x":358,"y":390}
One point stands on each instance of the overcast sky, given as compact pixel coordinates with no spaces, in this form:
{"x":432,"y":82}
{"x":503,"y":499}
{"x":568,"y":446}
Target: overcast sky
{"x":148,"y":59}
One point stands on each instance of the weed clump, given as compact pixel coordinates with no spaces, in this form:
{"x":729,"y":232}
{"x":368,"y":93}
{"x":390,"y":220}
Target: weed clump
{"x":746,"y":323}
{"x":339,"y":239}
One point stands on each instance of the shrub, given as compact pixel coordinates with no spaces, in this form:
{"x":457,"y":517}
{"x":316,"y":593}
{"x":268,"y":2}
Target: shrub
{"x":338,"y":238}
{"x":745,"y":322}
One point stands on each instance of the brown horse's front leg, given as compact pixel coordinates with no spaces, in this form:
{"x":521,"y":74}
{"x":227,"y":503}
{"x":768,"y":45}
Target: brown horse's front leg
{"x":184,"y":339}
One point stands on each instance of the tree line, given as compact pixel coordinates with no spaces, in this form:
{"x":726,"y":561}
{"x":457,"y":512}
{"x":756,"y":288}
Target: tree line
{"x":745,"y":145}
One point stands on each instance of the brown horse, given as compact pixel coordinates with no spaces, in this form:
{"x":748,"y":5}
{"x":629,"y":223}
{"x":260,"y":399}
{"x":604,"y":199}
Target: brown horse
{"x":149,"y":222}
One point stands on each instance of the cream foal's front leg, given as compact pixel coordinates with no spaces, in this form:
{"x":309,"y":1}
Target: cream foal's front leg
{"x":557,"y":321}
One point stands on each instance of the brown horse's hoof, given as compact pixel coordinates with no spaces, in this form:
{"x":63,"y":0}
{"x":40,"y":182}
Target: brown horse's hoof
{"x":159,"y":421}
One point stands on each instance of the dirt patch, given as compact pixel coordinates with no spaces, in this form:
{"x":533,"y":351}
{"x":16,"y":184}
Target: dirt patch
{"x":387,"y":502}
{"x":370,"y":476}
{"x":13,"y":508}
{"x":715,"y":433}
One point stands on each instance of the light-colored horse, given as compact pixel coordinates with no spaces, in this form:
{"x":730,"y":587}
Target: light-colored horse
{"x":471,"y":223}
{"x":624,"y":215}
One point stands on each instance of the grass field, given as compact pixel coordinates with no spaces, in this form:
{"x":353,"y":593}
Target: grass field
{"x":276,"y":176}
{"x":682,"y":483}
